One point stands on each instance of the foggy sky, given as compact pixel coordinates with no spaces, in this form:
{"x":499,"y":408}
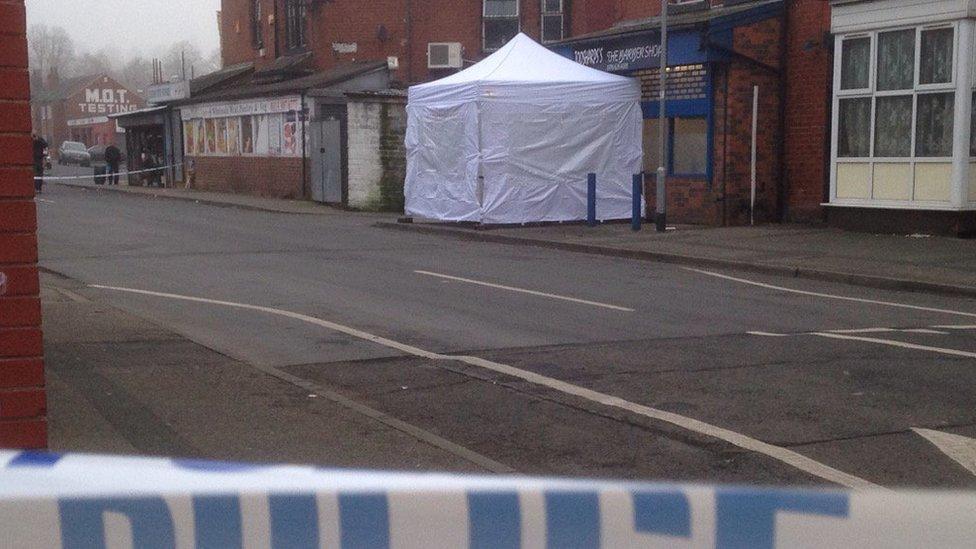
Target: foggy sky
{"x":130,"y":26}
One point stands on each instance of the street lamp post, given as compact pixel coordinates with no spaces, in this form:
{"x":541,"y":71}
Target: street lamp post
{"x":662,"y":195}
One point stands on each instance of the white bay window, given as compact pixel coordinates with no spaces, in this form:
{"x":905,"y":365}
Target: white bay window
{"x":897,"y":141}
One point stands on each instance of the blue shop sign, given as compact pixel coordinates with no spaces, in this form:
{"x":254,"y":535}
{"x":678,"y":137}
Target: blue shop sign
{"x":639,"y":51}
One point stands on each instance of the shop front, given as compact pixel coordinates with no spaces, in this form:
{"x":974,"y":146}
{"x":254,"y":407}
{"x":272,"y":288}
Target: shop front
{"x":902,"y":147}
{"x":716,"y":57}
{"x":152,"y":141}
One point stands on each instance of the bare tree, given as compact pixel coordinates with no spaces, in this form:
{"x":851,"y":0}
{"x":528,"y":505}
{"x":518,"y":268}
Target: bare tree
{"x":100,"y":62}
{"x":50,"y":48}
{"x":136,"y":72}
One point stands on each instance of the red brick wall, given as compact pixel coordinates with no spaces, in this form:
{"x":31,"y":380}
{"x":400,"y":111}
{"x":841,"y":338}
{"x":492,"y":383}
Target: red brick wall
{"x":22,"y":396}
{"x":260,"y":176}
{"x":726,"y":201}
{"x":809,"y":77}
{"x":380,"y":28}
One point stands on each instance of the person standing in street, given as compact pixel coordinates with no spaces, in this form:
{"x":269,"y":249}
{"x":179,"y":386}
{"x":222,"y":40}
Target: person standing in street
{"x":113,"y":157}
{"x":40,"y":150}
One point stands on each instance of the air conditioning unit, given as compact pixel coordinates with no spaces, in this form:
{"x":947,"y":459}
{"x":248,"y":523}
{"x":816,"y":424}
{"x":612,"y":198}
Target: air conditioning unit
{"x":444,"y":55}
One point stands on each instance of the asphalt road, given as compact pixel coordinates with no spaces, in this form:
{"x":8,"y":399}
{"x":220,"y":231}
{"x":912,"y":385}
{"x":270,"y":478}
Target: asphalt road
{"x":572,"y":364}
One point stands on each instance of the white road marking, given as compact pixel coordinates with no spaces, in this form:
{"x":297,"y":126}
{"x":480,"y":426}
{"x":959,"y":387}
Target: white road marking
{"x":961,"y":449}
{"x":393,"y":422}
{"x":924,"y":331}
{"x":832,"y":296}
{"x":784,"y":455}
{"x":524,"y":291}
{"x":862,"y":331}
{"x":956,"y":327}
{"x":44,"y":200}
{"x":769,"y":334}
{"x":894,"y":343}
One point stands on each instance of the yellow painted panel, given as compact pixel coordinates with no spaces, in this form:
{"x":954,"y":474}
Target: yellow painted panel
{"x":972,"y":182}
{"x":853,"y":180}
{"x":932,"y":181}
{"x":893,"y":181}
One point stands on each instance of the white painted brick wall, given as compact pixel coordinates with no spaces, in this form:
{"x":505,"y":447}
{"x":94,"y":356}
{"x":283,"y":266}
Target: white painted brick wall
{"x":365,"y":166}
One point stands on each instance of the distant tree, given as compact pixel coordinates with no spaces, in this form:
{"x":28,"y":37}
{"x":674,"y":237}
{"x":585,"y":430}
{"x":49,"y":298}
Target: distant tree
{"x":100,"y":62}
{"x":49,"y":48}
{"x":136,"y":72}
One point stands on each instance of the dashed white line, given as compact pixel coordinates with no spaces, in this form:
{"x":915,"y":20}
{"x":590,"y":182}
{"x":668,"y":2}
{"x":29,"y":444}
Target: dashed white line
{"x":784,"y":455}
{"x":525,"y":291}
{"x":831,"y":296}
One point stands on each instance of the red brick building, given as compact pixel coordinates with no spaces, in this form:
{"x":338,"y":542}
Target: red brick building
{"x":719,"y":51}
{"x":22,"y":396}
{"x":78,"y":109}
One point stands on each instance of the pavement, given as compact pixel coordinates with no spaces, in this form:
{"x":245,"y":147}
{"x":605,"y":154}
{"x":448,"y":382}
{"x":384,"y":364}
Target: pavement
{"x":210,"y":328}
{"x":913,"y":262}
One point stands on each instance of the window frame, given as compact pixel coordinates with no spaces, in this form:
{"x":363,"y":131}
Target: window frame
{"x":485,"y":18}
{"x":257,"y":24}
{"x":543,"y":13}
{"x":872,"y":161}
{"x":873,"y":93}
{"x":671,"y":135}
{"x":296,"y":25}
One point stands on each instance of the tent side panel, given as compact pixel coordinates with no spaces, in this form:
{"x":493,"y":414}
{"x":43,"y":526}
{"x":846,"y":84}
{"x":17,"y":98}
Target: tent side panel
{"x":536,"y":158}
{"x":442,"y":162}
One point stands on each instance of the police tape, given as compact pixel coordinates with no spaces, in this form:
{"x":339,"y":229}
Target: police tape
{"x":106,"y":175}
{"x":49,"y":500}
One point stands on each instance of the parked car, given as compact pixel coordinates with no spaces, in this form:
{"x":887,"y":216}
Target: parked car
{"x":73,"y":152}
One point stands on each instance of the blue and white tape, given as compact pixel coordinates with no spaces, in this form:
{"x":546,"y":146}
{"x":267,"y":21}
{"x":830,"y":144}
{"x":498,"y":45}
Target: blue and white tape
{"x":75,"y":501}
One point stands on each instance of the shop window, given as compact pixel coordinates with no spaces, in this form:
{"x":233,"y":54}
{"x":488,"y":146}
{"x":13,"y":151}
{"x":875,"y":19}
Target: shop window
{"x":294,"y":24}
{"x":553,"y":24}
{"x":688,"y":151}
{"x":257,"y":30}
{"x":689,"y":145}
{"x":501,"y":23}
{"x":909,"y":84}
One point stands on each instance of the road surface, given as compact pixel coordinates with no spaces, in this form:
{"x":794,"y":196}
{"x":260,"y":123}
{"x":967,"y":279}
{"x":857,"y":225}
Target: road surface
{"x":323,"y":338}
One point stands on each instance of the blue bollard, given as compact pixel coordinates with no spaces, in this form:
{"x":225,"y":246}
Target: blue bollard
{"x":635,"y":219}
{"x":591,"y":200}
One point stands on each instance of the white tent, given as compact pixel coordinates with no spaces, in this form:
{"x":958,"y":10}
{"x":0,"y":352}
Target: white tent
{"x":512,"y":139}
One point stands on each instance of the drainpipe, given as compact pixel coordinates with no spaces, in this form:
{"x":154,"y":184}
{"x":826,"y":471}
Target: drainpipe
{"x":275,"y":13}
{"x":409,"y":32}
{"x":304,"y":120}
{"x":782,"y":190}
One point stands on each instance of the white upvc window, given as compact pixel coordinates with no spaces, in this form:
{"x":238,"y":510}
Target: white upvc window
{"x":894,"y":94}
{"x":901,"y":113}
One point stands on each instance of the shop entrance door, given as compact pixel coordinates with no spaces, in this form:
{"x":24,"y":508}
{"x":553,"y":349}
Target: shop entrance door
{"x":327,"y":161}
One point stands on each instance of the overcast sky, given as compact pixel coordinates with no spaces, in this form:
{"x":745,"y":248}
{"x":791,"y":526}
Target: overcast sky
{"x":131,"y":25}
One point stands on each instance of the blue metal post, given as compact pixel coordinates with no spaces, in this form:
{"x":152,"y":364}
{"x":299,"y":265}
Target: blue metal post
{"x":635,"y":219}
{"x":591,"y":200}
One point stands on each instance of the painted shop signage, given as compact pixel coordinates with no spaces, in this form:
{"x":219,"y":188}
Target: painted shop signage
{"x":105,"y":101}
{"x":243,"y":108}
{"x":621,"y":54}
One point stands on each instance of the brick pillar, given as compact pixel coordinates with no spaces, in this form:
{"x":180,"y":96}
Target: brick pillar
{"x":23,"y":421}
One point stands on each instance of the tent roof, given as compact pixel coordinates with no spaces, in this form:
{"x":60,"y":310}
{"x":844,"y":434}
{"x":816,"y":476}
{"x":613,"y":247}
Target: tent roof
{"x":524,"y":64}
